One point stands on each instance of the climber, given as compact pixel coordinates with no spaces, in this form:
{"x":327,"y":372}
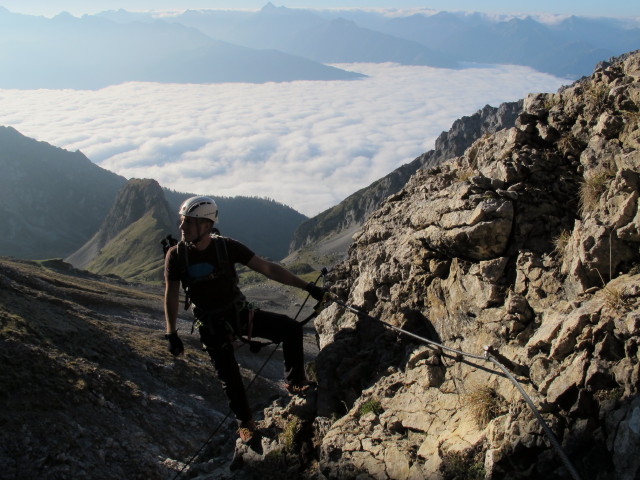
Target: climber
{"x":205,"y":265}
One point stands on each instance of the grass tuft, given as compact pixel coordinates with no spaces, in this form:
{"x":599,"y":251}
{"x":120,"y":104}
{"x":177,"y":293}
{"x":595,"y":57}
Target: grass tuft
{"x":485,"y":405}
{"x":464,"y":174}
{"x":592,"y":189}
{"x":560,"y":242}
{"x":289,"y":436}
{"x":615,"y":299}
{"x":570,"y":145}
{"x":598,"y":97}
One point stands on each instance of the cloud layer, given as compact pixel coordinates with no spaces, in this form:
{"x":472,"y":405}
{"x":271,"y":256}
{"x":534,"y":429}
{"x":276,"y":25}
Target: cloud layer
{"x":307,"y":144}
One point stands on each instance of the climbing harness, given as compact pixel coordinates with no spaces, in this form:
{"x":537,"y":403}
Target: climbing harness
{"x":224,"y":319}
{"x":315,"y":313}
{"x":489,"y":355}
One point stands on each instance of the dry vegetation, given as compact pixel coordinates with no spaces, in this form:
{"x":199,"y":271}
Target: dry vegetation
{"x":592,"y":189}
{"x":485,"y":404}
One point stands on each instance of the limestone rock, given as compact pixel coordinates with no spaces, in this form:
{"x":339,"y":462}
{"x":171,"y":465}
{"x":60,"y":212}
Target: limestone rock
{"x":527,"y":242}
{"x":523,"y":250}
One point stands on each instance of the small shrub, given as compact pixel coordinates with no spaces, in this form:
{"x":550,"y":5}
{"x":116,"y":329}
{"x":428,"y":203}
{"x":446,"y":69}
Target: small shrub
{"x":550,"y":101}
{"x":613,"y":394}
{"x":570,"y":145}
{"x":464,"y":174}
{"x":371,"y":405}
{"x":248,"y":278}
{"x":485,"y":405}
{"x":289,"y":435}
{"x":631,"y":120}
{"x":275,"y":456}
{"x":598,"y":96}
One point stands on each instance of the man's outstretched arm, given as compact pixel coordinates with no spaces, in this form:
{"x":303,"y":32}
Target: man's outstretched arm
{"x":275,"y":272}
{"x":280,"y":274}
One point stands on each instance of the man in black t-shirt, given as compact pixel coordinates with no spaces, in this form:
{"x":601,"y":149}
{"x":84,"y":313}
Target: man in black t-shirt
{"x":204,"y":264}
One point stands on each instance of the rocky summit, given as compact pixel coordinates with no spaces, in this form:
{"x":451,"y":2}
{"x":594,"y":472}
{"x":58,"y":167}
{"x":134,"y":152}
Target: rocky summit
{"x":519,"y":258}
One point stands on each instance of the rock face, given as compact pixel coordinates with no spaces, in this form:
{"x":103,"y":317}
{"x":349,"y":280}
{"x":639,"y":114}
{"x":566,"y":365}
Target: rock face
{"x":352,"y":212}
{"x":529,"y":243}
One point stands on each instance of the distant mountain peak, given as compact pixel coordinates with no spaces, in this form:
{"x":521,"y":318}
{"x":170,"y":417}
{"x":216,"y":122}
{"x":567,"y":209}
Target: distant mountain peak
{"x":127,"y":241}
{"x":269,"y":7}
{"x":136,"y":198}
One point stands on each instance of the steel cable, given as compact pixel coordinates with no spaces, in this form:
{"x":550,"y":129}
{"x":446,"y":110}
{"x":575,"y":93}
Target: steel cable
{"x":486,"y":357}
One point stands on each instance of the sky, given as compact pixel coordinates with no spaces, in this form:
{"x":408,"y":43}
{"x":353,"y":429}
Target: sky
{"x":620,"y":8}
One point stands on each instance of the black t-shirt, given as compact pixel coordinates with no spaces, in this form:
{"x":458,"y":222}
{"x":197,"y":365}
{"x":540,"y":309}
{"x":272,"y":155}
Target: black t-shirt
{"x":220,"y":289}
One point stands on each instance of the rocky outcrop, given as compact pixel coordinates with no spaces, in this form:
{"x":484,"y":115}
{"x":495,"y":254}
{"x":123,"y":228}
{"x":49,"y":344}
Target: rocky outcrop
{"x":527,"y":243}
{"x":466,"y":130}
{"x":128,"y":241}
{"x":353,"y":211}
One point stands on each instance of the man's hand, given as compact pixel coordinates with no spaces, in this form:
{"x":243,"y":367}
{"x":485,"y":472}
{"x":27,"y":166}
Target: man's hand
{"x":315,"y":291}
{"x":175,"y":344}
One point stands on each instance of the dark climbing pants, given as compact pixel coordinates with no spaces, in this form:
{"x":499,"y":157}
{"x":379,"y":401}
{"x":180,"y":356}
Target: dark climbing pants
{"x":272,"y":326}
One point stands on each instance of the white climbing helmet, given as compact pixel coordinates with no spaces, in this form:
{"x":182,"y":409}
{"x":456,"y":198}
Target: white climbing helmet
{"x":199,"y":207}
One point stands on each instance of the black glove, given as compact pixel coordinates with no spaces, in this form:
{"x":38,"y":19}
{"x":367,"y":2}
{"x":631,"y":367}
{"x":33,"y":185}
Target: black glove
{"x":175,"y":344}
{"x":315,"y":291}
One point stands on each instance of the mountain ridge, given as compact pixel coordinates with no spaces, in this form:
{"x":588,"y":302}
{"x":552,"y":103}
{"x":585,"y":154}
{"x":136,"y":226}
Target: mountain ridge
{"x":569,"y":48}
{"x":351,"y":213}
{"x":307,"y":34}
{"x":46,"y":219}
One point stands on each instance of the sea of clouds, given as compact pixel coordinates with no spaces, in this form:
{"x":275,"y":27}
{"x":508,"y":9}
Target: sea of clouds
{"x":307,"y":144}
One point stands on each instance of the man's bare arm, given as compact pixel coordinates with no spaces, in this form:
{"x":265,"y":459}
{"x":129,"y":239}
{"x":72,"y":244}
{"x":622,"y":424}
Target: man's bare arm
{"x":171,"y":304}
{"x":275,"y":272}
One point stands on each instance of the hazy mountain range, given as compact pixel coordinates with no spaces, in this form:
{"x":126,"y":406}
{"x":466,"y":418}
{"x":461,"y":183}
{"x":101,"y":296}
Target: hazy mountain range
{"x":283,"y":44}
{"x":93,"y":52}
{"x":569,"y":47}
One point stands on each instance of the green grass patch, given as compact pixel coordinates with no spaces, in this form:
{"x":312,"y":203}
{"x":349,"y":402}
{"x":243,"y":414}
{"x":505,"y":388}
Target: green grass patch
{"x":290,"y":434}
{"x":371,"y":405}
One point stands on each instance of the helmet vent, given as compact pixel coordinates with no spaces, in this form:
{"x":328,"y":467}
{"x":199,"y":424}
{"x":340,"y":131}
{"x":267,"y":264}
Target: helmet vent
{"x":196,"y":205}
